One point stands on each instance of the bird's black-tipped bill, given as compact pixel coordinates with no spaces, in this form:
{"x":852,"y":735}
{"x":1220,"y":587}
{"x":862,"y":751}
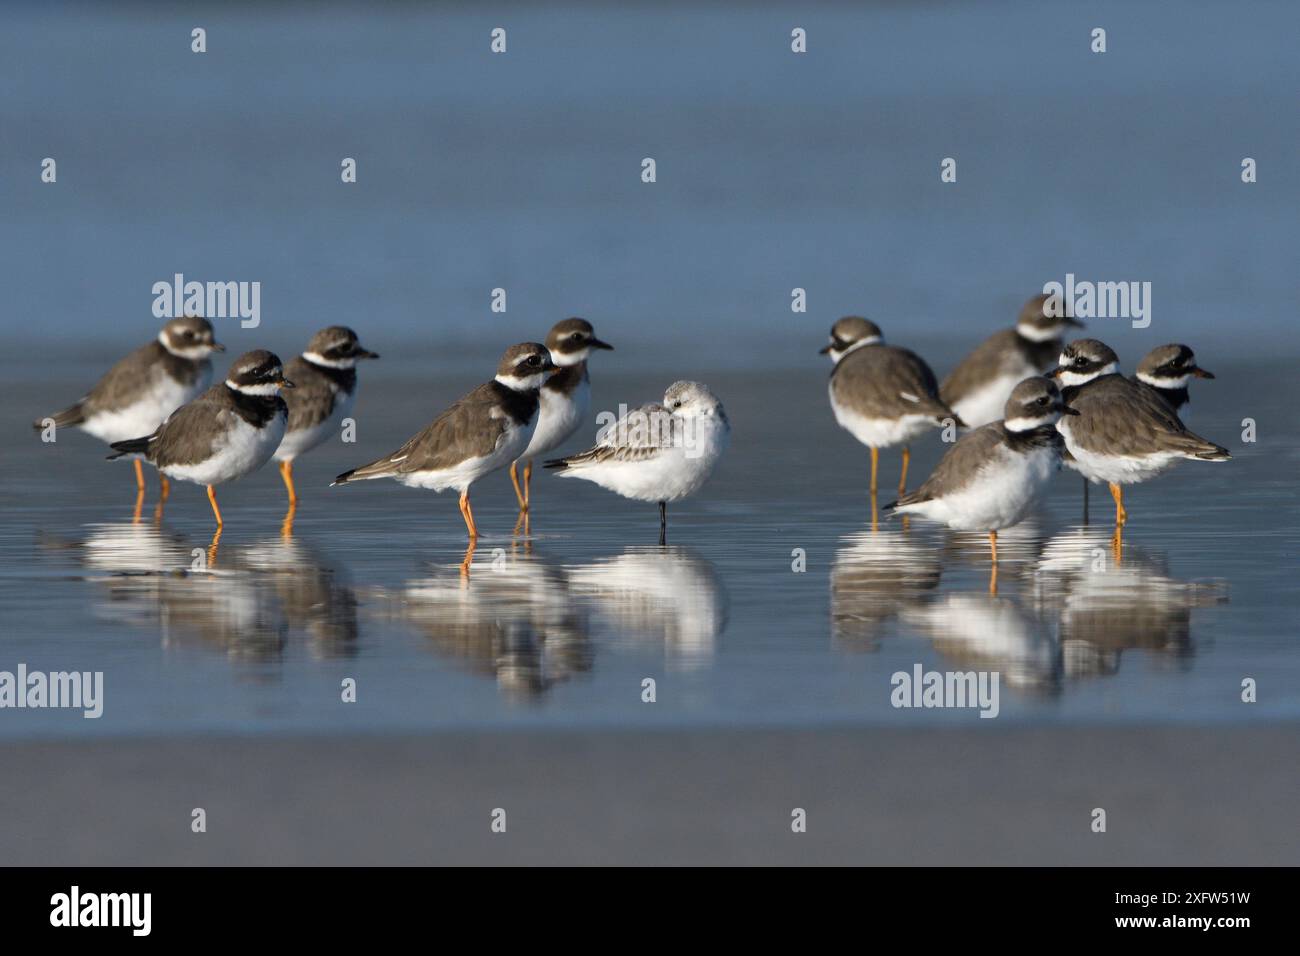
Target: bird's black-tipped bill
{"x":285,"y":383}
{"x":365,"y":353}
{"x":1055,"y":372}
{"x":1202,"y":373}
{"x":1072,"y":321}
{"x":598,"y":344}
{"x":1067,"y":410}
{"x":218,"y":347}
{"x":825,"y":349}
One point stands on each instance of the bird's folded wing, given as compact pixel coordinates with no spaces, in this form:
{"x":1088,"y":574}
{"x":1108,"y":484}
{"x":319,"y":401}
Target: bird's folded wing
{"x":959,"y":466}
{"x":639,"y":435}
{"x":471,"y":428}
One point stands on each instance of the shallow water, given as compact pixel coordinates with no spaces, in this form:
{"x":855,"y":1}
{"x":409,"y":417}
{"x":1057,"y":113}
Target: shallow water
{"x":522,"y":171}
{"x":255,"y":631}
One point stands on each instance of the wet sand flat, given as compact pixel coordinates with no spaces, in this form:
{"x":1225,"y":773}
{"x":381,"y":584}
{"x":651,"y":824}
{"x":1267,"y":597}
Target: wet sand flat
{"x":1190,"y":795}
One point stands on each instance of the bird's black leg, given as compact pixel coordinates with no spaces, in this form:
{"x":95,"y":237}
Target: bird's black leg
{"x":663,"y":523}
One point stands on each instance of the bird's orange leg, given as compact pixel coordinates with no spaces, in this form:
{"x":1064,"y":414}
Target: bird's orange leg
{"x":902,"y":481}
{"x":467,"y":513}
{"x":993,"y":574}
{"x":519,"y":492}
{"x":528,"y":479}
{"x":875,"y":462}
{"x":286,"y":474}
{"x":212,"y":497}
{"x":1121,"y":516}
{"x":164,"y":488}
{"x":212,"y":548}
{"x":469,"y":558}
{"x":139,"y":475}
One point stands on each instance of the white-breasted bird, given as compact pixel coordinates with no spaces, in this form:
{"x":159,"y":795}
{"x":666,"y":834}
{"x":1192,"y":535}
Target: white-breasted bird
{"x":565,"y":397}
{"x":657,"y":453}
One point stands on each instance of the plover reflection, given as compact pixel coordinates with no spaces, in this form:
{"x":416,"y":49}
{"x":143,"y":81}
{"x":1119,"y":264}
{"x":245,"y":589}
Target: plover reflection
{"x":512,"y":620}
{"x":875,"y":576}
{"x":1106,"y":606}
{"x":978,"y":631}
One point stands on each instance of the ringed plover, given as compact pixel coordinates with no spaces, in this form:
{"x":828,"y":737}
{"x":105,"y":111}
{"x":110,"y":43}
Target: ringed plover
{"x":325,"y":390}
{"x":565,"y":397}
{"x":483,"y":431}
{"x":229,"y":431}
{"x":882,"y":395}
{"x":990,"y":478}
{"x":142,"y":389}
{"x":978,"y":388}
{"x":1125,"y":432}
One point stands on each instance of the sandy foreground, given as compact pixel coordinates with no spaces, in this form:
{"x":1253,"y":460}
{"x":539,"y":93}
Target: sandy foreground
{"x":1173,"y":795}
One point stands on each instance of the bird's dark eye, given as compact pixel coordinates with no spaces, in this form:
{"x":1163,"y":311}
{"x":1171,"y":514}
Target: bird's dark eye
{"x":575,"y":337}
{"x":532,"y":360}
{"x":1080,"y":360}
{"x":1042,"y":400}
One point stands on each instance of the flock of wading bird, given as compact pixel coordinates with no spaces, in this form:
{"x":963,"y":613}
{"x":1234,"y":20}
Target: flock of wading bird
{"x":1025,"y":401}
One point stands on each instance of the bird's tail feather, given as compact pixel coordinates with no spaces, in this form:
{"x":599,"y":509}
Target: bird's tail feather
{"x":72,"y":415}
{"x":383,"y":468}
{"x":1213,"y":452}
{"x":1194,"y":446}
{"x":132,"y":446}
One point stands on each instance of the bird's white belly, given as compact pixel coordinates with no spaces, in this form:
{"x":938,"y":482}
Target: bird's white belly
{"x":462,"y":475}
{"x":1000,"y":496}
{"x":988,"y":402}
{"x":671,"y":475}
{"x":244,"y":450}
{"x":302,"y":440}
{"x":881,"y":432}
{"x":1119,"y":469}
{"x":142,"y":418}
{"x":558,"y":418}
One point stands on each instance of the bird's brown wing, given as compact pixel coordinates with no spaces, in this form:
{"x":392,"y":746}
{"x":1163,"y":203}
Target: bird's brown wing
{"x":880,"y":381}
{"x":470,"y":428}
{"x":311,"y":400}
{"x":189,"y":434}
{"x":986,"y":361}
{"x":960,"y":464}
{"x":1121,"y":417}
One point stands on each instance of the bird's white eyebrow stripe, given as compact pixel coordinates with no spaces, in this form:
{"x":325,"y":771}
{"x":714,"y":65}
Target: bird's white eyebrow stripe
{"x":908,"y":396}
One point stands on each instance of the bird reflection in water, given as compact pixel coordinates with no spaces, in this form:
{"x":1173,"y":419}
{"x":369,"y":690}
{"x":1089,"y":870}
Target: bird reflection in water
{"x":242,"y":600}
{"x":973,"y":630}
{"x":876,"y":575}
{"x":510,"y":618}
{"x":1107,"y":604}
{"x":1067,"y":609}
{"x":666,"y":595}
